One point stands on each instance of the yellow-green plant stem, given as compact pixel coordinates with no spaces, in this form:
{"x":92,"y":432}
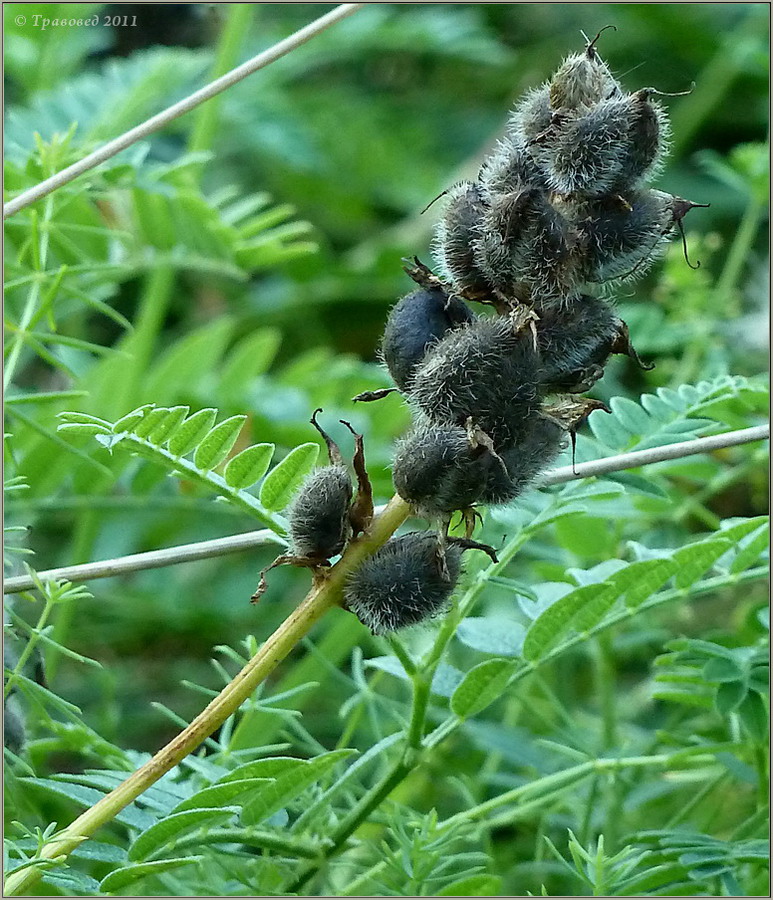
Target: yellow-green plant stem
{"x":323,"y":596}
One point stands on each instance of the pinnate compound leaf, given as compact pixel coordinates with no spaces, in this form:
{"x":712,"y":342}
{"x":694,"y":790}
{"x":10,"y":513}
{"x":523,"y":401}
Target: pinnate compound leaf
{"x":192,"y":431}
{"x":278,"y":793}
{"x":119,"y":878}
{"x":175,"y":825}
{"x":481,"y":686}
{"x":216,"y":445}
{"x":282,"y":482}
{"x":222,"y":794}
{"x":248,"y":466}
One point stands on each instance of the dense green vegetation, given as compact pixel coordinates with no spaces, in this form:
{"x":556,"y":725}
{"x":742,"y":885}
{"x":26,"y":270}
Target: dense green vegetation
{"x":596,"y":704}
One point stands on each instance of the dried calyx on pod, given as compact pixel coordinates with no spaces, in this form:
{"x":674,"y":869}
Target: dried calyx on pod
{"x":323,"y":518}
{"x":488,"y":371}
{"x":408,"y":580}
{"x":415,"y":323}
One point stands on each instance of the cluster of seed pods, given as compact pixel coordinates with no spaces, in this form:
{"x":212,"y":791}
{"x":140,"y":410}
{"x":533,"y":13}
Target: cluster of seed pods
{"x":559,"y":211}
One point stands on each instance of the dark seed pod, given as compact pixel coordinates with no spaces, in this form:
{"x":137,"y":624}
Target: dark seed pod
{"x":488,"y":371}
{"x":509,"y":170}
{"x":621,"y":236}
{"x":403,"y":582}
{"x":576,"y":340}
{"x":585,"y":152}
{"x":415,"y":323}
{"x":537,"y":446}
{"x":408,"y":580}
{"x":455,"y":234}
{"x":647,"y":143}
{"x":523,"y":247}
{"x":531,"y":116}
{"x":440,"y":469}
{"x":322,"y":516}
{"x":319,"y":516}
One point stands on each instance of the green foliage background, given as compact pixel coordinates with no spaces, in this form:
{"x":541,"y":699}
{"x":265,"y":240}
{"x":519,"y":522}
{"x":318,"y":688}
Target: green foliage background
{"x":244,"y":259}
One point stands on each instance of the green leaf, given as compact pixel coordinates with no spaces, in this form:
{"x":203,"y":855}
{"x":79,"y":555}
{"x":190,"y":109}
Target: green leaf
{"x":249,"y":466}
{"x":500,"y":637}
{"x":276,"y":795}
{"x":729,"y":696}
{"x":81,"y":418}
{"x":263,"y":768}
{"x":581,"y":608}
{"x":166,"y":428}
{"x":87,"y":797}
{"x":119,"y":878}
{"x":481,"y":686}
{"x":174,"y":825}
{"x":192,"y":431}
{"x":282,"y":482}
{"x":222,"y":794}
{"x":150,"y":421}
{"x":216,"y":445}
{"x":721,"y":669}
{"x":754,"y":716}
{"x":695,"y":559}
{"x":642,"y":578}
{"x":250,"y":357}
{"x":631,"y":416}
{"x":128,"y":422}
{"x":751,"y":550}
{"x":82,"y":428}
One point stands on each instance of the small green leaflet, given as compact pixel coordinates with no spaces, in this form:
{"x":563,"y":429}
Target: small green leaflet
{"x":191,"y":432}
{"x":282,"y":482}
{"x":248,"y":466}
{"x":216,"y":445}
{"x":119,"y":878}
{"x":175,"y":825}
{"x":481,"y":686}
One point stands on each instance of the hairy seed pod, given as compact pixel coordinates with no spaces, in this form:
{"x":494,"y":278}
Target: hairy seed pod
{"x":575,"y":341}
{"x":524,"y":246}
{"x":582,"y":79}
{"x":530,"y":117}
{"x":454,"y":238}
{"x":319,"y":515}
{"x":440,"y":469}
{"x":415,"y":323}
{"x":487,"y":371}
{"x":621,"y":236}
{"x":404,"y":582}
{"x":322,"y":516}
{"x":540,"y":441}
{"x":510,"y":169}
{"x":647,"y":143}
{"x":585,"y":151}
